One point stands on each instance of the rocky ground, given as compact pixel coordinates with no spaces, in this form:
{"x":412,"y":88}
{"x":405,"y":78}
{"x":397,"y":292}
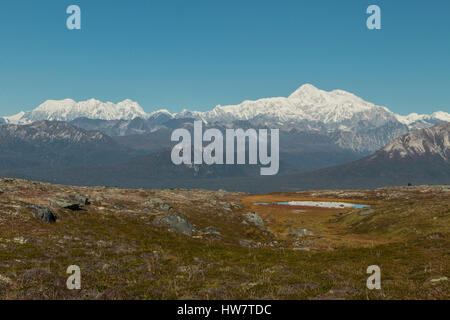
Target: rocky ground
{"x":198,"y":244}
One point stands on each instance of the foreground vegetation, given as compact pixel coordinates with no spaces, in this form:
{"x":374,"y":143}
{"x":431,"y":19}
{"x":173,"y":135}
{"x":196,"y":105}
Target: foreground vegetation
{"x":124,"y":254}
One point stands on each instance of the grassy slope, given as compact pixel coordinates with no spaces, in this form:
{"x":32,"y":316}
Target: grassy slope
{"x":123,"y":256}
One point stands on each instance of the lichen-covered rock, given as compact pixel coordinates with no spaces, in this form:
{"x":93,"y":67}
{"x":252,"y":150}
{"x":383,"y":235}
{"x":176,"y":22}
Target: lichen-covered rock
{"x":254,"y":218}
{"x":73,"y":202}
{"x":67,"y":204}
{"x":301,"y":233}
{"x":154,"y":201}
{"x":176,"y":223}
{"x":43,"y":213}
{"x":211,"y":230}
{"x":366,"y":212}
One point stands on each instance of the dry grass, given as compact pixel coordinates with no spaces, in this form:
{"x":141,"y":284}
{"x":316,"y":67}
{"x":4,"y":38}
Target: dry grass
{"x":123,"y":256}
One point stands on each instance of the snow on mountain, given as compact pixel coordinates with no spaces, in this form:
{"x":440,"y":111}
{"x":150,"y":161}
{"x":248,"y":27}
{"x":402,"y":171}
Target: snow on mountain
{"x":15,"y":119}
{"x":308,"y":108}
{"x":306,"y":104}
{"x":68,"y":109}
{"x":419,"y":121}
{"x":434,"y":141}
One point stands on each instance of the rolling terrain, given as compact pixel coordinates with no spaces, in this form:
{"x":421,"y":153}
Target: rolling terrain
{"x":199,"y":244}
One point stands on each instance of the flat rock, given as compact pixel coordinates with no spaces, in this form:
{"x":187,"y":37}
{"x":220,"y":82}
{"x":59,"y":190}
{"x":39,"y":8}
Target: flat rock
{"x":211,"y":230}
{"x":437,"y":279}
{"x":301,"y":233}
{"x":154,"y":201}
{"x":67,"y":204}
{"x":366,"y":212}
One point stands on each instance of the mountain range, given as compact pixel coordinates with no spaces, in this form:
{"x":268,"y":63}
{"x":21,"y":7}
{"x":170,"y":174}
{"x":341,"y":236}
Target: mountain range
{"x":348,"y":120}
{"x":327,"y":139}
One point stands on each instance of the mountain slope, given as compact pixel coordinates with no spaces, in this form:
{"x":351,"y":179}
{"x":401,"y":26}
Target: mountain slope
{"x":56,"y":144}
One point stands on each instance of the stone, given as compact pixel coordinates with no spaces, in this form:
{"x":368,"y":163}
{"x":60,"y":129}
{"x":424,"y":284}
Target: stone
{"x":366,"y":212}
{"x":74,"y":202}
{"x":67,"y":204}
{"x":254,"y":218}
{"x":301,"y":249}
{"x":154,"y":201}
{"x":81,"y":198}
{"x":437,"y":279}
{"x":43,"y":213}
{"x":148,"y":212}
{"x":301,"y":233}
{"x":211,"y":230}
{"x":176,"y":223}
{"x":249,"y":244}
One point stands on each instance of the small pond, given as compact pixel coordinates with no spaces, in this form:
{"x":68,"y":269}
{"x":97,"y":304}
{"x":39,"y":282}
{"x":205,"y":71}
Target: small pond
{"x":320,"y":204}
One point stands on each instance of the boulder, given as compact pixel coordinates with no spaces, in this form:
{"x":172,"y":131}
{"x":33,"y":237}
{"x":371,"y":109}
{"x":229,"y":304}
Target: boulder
{"x":254,"y":218}
{"x":301,"y":233}
{"x":43,"y":213}
{"x":176,"y":223}
{"x":68,"y":204}
{"x":81,"y":198}
{"x":74,"y":202}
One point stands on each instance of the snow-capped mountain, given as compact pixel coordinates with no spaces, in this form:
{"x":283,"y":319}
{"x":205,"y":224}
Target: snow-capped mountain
{"x":68,"y":109}
{"x":420,"y":121}
{"x":336,"y":109}
{"x":306,"y":104}
{"x":350,"y":121}
{"x":429,"y":142}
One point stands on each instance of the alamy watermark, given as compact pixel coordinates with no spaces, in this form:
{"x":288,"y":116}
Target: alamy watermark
{"x":374,"y":281}
{"x":73,"y":22}
{"x":214,"y":152}
{"x":74,"y":280}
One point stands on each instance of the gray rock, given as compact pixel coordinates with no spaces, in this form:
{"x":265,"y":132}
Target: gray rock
{"x":166,"y":207}
{"x":158,"y":203}
{"x":211,"y":230}
{"x":43,"y":213}
{"x":148,"y":212}
{"x":249,"y":244}
{"x":175,"y":222}
{"x":437,"y":279}
{"x":74,"y":202}
{"x":301,"y":233}
{"x":301,"y":249}
{"x":81,"y":198}
{"x":227,"y":206}
{"x":366,"y":212}
{"x":68,"y":204}
{"x":154,"y":201}
{"x":255,"y":219}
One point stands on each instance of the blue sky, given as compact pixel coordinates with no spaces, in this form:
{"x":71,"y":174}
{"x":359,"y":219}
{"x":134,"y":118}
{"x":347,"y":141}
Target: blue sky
{"x":196,"y":54}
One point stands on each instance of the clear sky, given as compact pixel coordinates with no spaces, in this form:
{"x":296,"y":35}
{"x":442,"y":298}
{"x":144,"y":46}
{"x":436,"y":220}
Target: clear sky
{"x":196,"y":54}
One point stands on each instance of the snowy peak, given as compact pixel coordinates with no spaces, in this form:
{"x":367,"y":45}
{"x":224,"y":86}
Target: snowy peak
{"x":420,"y":121}
{"x":305,"y":104}
{"x":68,"y":109}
